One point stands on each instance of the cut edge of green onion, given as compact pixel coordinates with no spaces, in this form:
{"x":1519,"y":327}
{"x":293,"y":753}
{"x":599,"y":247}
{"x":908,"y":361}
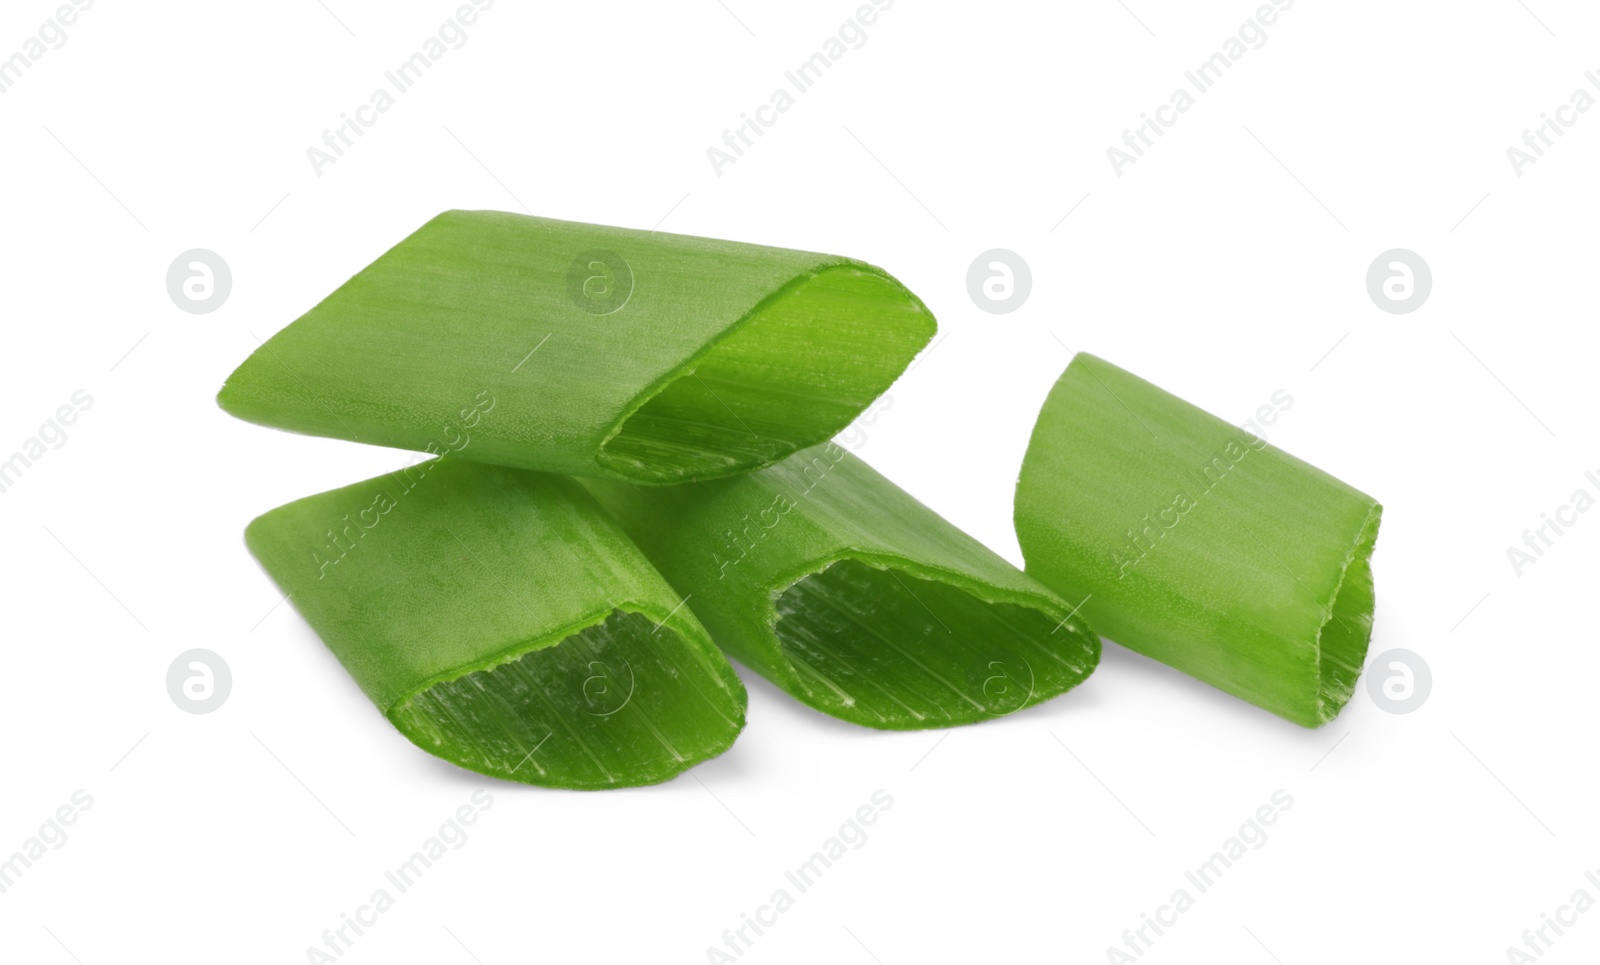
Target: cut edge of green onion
{"x":451,"y":716}
{"x":1343,"y":638}
{"x":833,"y":621}
{"x":753,"y":395}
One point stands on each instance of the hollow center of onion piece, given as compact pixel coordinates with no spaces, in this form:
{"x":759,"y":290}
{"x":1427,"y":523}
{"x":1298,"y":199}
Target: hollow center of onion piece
{"x":796,"y":372}
{"x":887,"y":649}
{"x":625,"y":701}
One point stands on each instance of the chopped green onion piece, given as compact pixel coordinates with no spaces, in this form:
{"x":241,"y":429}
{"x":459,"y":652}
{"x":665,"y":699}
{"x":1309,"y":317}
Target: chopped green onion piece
{"x":839,"y":587}
{"x":636,"y":355}
{"x":1199,"y":544}
{"x":501,"y":621}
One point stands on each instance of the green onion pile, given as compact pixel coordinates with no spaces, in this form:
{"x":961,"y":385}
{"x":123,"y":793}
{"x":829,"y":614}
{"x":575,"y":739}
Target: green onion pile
{"x":632,"y":479}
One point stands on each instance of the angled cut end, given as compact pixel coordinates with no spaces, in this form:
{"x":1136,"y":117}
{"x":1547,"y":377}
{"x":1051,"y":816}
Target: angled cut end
{"x":1342,"y":641}
{"x":794,"y":372}
{"x":884,"y":648}
{"x":623,"y":702}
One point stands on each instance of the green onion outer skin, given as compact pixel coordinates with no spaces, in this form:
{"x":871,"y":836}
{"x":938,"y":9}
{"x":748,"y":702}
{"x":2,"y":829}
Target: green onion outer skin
{"x":497,"y":337}
{"x":743,"y":547}
{"x":1198,"y":543}
{"x":422,"y":577}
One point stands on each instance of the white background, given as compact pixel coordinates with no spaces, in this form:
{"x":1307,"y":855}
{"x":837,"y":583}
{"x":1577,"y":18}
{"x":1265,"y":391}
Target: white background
{"x":1226,"y":264}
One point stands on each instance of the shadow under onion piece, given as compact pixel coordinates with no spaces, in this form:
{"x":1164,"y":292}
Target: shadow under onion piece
{"x":501,"y":621}
{"x":637,"y":355}
{"x":839,"y":587}
{"x":1197,"y":543}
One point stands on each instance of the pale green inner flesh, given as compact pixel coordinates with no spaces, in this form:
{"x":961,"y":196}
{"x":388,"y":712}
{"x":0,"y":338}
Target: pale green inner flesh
{"x":1348,"y":630}
{"x":793,"y":375}
{"x":620,"y":703}
{"x":886,"y":649}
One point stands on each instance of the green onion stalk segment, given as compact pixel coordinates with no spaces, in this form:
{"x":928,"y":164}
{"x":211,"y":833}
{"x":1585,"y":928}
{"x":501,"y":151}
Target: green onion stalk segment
{"x":857,"y":600}
{"x":635,"y":355}
{"x":500,"y":620}
{"x":1199,"y":544}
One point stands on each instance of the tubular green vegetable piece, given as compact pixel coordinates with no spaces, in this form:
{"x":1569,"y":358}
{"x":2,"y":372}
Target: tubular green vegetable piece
{"x":1199,"y":544}
{"x":859,"y":601}
{"x":636,"y":355}
{"x":501,"y":621}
